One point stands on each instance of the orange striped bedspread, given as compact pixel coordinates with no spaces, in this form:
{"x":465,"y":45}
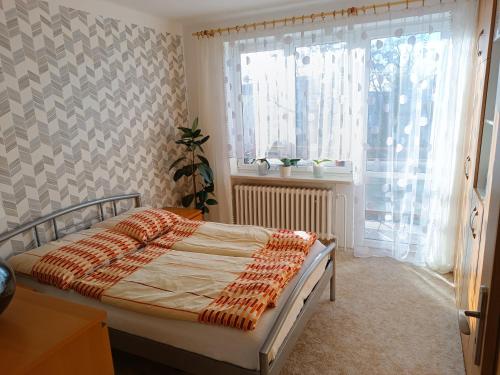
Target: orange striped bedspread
{"x":202,"y":271}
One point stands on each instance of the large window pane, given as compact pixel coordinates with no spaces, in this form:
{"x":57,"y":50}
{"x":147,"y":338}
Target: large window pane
{"x":402,"y":80}
{"x":268,"y":104}
{"x":319,"y":84}
{"x":291,"y":102}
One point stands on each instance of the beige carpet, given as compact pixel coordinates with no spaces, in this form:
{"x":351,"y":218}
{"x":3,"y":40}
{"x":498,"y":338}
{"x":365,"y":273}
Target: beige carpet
{"x":389,"y":318}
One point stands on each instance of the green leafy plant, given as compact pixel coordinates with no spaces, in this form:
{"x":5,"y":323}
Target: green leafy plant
{"x":262,"y":160}
{"x":318,"y":162}
{"x":289,"y":162}
{"x":196,"y":167}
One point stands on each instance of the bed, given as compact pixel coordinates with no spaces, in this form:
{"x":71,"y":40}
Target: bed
{"x":201,"y":348}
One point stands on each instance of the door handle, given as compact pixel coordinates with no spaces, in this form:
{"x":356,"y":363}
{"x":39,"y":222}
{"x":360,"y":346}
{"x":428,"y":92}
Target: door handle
{"x":472,"y":314}
{"x":481,"y":316}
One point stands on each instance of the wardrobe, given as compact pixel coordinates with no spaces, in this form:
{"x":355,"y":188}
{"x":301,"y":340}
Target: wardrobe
{"x":477,"y":269}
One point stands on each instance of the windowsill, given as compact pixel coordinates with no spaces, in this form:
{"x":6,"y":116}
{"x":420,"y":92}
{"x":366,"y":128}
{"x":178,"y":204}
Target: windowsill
{"x":338,"y":178}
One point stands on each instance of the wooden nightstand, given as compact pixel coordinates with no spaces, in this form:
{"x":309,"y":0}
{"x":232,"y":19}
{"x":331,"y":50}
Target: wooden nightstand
{"x":188,"y":213}
{"x":40,"y":334}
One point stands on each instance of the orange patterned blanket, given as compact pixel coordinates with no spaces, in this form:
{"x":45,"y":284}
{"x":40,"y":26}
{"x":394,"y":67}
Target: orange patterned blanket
{"x":190,"y":274}
{"x":242,"y":302}
{"x":96,"y":283}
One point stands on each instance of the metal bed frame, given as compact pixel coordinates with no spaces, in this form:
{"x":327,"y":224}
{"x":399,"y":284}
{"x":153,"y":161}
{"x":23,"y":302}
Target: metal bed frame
{"x":32,"y":225}
{"x":193,"y":362}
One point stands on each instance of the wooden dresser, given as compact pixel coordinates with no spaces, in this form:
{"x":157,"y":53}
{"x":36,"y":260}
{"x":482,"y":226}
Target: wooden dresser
{"x":41,"y":335}
{"x":189,"y":213}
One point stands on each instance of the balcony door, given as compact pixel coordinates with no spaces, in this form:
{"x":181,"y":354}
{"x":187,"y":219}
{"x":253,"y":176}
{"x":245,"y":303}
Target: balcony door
{"x":403,"y":76}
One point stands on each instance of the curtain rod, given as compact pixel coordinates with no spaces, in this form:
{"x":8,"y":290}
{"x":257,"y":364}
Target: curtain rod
{"x":313,"y":17}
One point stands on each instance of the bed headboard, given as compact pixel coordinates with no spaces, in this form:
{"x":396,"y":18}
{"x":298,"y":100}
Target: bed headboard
{"x":32,"y":225}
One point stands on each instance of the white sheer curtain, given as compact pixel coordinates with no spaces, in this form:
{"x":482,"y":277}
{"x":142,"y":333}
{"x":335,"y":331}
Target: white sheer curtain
{"x":445,"y":183}
{"x":385,"y":91}
{"x":407,"y":197}
{"x":212,"y":121}
{"x":286,"y":94}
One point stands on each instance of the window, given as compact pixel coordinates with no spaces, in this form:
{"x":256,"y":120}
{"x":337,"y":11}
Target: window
{"x":363,"y":94}
{"x":288,"y":104}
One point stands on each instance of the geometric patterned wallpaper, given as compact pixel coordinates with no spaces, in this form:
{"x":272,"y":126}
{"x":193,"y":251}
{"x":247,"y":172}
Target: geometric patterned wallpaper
{"x":88,"y":108}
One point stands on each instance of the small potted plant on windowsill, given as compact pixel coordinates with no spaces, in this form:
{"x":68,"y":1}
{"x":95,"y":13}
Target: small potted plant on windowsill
{"x":286,"y":167}
{"x":263,"y":166}
{"x":318,"y":168}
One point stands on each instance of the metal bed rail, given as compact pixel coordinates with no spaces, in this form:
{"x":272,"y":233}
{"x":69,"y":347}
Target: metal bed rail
{"x":271,"y":367}
{"x":32,"y":225}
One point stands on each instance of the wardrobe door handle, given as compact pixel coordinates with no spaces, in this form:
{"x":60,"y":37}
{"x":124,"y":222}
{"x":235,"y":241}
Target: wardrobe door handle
{"x":472,"y":220}
{"x":479,"y":52}
{"x":466,"y":166}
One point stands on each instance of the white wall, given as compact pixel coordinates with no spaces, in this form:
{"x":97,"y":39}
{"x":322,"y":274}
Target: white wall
{"x":339,"y":218}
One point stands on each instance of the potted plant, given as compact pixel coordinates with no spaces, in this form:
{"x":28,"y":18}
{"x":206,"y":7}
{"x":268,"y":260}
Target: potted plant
{"x":318,"y":168}
{"x":196,"y":168}
{"x":263,"y":166}
{"x":286,"y":167}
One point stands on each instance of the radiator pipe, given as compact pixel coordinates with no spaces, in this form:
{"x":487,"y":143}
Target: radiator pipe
{"x":344,"y":197}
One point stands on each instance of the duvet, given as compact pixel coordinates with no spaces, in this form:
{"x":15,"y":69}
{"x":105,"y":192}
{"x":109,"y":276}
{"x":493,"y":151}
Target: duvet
{"x":200,"y":271}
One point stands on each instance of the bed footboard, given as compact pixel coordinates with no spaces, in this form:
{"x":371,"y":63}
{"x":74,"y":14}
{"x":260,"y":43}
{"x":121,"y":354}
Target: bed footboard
{"x":268,"y":366}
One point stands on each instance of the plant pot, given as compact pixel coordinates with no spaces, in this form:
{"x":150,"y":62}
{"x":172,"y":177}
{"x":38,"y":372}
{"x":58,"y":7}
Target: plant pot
{"x":262,"y":168}
{"x":7,"y":285}
{"x":285,"y":171}
{"x":318,"y":170}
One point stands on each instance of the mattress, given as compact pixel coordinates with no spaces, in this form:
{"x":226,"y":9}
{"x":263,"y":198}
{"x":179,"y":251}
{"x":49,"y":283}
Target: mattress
{"x":230,"y":345}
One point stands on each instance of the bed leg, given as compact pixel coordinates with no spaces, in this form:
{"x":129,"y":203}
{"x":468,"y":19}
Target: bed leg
{"x":332,"y":279}
{"x":263,"y":363}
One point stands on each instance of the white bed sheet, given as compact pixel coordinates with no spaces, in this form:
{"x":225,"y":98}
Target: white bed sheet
{"x":217,"y":342}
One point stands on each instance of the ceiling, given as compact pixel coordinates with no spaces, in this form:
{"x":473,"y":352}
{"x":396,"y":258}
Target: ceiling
{"x":200,"y":10}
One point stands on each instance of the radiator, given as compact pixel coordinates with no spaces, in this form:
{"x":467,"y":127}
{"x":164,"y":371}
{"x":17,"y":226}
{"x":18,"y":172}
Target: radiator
{"x":286,"y":207}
